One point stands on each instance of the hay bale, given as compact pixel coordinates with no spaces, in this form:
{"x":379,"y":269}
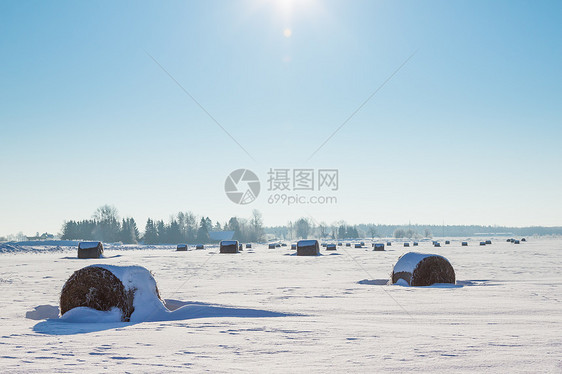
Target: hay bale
{"x":293,"y":246}
{"x":416,"y":244}
{"x":378,"y":247}
{"x":358,"y":245}
{"x":283,"y":244}
{"x":437,"y":244}
{"x":482,"y":243}
{"x":509,"y":240}
{"x":324,"y":245}
{"x":331,"y":247}
{"x":277,"y":245}
{"x":348,"y":244}
{"x":308,"y":248}
{"x":240,"y":247}
{"x":90,"y":249}
{"x":199,"y":246}
{"x":419,"y":269}
{"x":523,"y":239}
{"x":340,"y":244}
{"x":388,"y":244}
{"x":248,"y":245}
{"x":447,"y":242}
{"x":406,"y":244}
{"x":181,"y":247}
{"x":101,"y":287}
{"x":488,"y":242}
{"x":464,"y":244}
{"x":271,"y":246}
{"x":362,"y":244}
{"x":229,"y":246}
{"x":516,"y":242}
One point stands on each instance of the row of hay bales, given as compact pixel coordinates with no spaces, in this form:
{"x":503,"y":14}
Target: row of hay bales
{"x":101,"y":287}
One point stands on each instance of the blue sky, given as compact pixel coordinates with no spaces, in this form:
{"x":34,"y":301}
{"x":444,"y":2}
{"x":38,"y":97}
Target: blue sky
{"x":467,"y":132}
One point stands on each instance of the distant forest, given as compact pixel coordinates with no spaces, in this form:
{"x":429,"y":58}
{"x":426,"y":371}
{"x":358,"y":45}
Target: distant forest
{"x":185,"y":227}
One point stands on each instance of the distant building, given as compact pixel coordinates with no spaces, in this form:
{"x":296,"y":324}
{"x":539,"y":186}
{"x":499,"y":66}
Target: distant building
{"x":221,"y":235}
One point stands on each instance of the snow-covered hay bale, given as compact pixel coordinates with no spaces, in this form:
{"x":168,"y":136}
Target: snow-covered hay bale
{"x":240,"y":247}
{"x":229,"y":246}
{"x":340,"y":244}
{"x":437,"y":244}
{"x":362,"y":244}
{"x":464,"y":244}
{"x":482,"y":243}
{"x":378,"y":247}
{"x":388,"y":244}
{"x":416,"y":244}
{"x":418,"y":269}
{"x":199,"y":246}
{"x":447,"y":242}
{"x":523,"y":239}
{"x":90,"y":249}
{"x":308,"y":248}
{"x":324,"y":245}
{"x":271,"y":246}
{"x":110,"y":288}
{"x":488,"y":242}
{"x":358,"y":245}
{"x":406,"y":244}
{"x":248,"y":245}
{"x":331,"y":247}
{"x":348,"y":244}
{"x":283,"y":244}
{"x":516,"y":242}
{"x":293,"y":246}
{"x":181,"y":247}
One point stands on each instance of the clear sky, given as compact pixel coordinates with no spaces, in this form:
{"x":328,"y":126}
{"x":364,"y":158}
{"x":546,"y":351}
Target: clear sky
{"x":468,"y":131}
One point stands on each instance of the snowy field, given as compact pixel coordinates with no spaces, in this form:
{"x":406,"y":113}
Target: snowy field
{"x":266,"y":310}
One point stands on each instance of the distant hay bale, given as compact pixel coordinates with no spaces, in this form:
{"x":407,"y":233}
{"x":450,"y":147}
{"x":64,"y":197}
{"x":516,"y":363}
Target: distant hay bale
{"x":229,"y":246}
{"x":362,"y":244}
{"x":90,"y":249}
{"x":181,"y":247}
{"x":277,"y":245}
{"x":516,"y":242}
{"x":437,"y":244}
{"x":358,"y":245}
{"x":488,"y":242}
{"x":482,"y":243}
{"x":523,"y":239}
{"x":340,"y":244}
{"x":406,"y":244}
{"x":308,"y":248}
{"x":271,"y":246}
{"x":283,"y":244}
{"x":416,"y":244}
{"x":419,"y":269}
{"x":240,"y":247}
{"x":447,"y":242}
{"x":199,"y":246}
{"x":331,"y":247}
{"x":293,"y":246}
{"x":464,"y":244}
{"x":378,"y":247}
{"x":324,"y":245}
{"x":348,"y":244}
{"x":388,"y":244}
{"x":248,"y":245}
{"x":509,"y":240}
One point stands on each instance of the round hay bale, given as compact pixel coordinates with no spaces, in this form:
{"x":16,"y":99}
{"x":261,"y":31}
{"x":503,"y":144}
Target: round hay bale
{"x":437,"y":244}
{"x":516,"y":242}
{"x":482,"y":243}
{"x":416,"y":244}
{"x":340,"y":244}
{"x":378,"y":246}
{"x":283,"y":244}
{"x":348,"y":244}
{"x":96,"y":288}
{"x":308,"y":248}
{"x":181,"y":247}
{"x":358,"y":245}
{"x":388,"y":244}
{"x":488,"y":242}
{"x":447,"y":242}
{"x":229,"y":246}
{"x":293,"y":246}
{"x":271,"y":246}
{"x":406,"y":244}
{"x":464,"y":244}
{"x":419,"y":269}
{"x":199,"y":246}
{"x":90,"y":249}
{"x":248,"y":245}
{"x":331,"y":247}
{"x":523,"y":239}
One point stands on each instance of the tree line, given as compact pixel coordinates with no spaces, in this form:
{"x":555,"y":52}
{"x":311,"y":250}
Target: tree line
{"x":183,"y":227}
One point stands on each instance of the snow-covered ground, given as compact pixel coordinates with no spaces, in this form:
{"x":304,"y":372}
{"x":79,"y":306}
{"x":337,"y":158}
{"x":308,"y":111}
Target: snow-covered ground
{"x":266,"y":310}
